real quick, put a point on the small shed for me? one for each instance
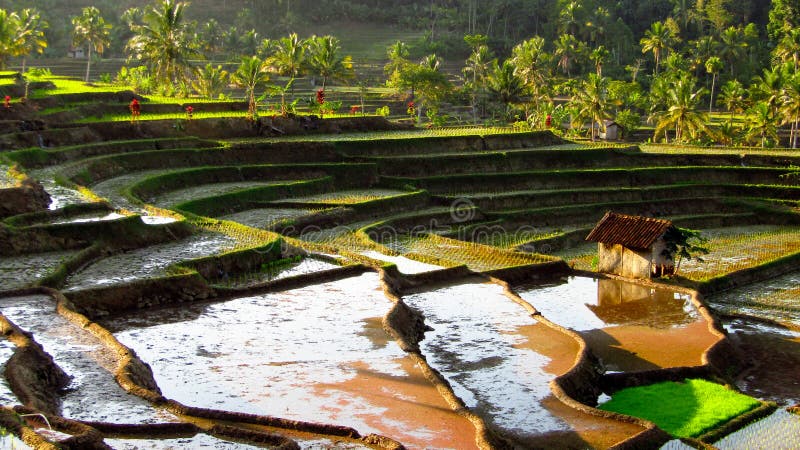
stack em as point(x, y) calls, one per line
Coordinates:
point(75, 52)
point(612, 130)
point(632, 246)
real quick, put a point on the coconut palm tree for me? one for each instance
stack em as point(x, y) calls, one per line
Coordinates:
point(713, 66)
point(476, 73)
point(732, 46)
point(530, 60)
point(790, 107)
point(325, 59)
point(591, 99)
point(9, 36)
point(91, 29)
point(288, 57)
point(761, 124)
point(682, 111)
point(599, 56)
point(506, 86)
point(788, 48)
point(733, 96)
point(567, 49)
point(210, 81)
point(31, 33)
point(657, 40)
point(163, 41)
point(251, 73)
point(768, 87)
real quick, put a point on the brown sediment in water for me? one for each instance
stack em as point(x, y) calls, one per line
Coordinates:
point(636, 347)
point(587, 430)
point(414, 411)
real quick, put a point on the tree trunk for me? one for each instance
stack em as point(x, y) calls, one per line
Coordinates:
point(24, 61)
point(88, 63)
point(711, 102)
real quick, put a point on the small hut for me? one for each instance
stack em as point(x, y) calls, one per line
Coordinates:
point(611, 130)
point(632, 246)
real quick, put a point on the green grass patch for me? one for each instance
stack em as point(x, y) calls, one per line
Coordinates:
point(686, 409)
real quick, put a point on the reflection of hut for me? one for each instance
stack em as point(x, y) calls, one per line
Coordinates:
point(632, 246)
point(627, 303)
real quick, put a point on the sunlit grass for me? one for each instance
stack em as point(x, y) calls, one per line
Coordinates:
point(686, 409)
point(398, 134)
point(64, 85)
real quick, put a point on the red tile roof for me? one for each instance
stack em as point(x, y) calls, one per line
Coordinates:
point(629, 231)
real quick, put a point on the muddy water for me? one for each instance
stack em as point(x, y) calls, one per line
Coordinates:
point(93, 394)
point(775, 299)
point(630, 327)
point(478, 343)
point(317, 353)
point(149, 261)
point(24, 270)
point(781, 430)
point(112, 188)
point(198, 441)
point(404, 265)
point(772, 357)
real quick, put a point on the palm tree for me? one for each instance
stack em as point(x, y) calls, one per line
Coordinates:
point(788, 48)
point(732, 95)
point(9, 36)
point(289, 57)
point(568, 18)
point(31, 33)
point(163, 41)
point(568, 48)
point(91, 29)
point(599, 56)
point(210, 81)
point(477, 68)
point(326, 61)
point(761, 123)
point(732, 46)
point(398, 57)
point(713, 66)
point(506, 86)
point(591, 100)
point(767, 88)
point(530, 59)
point(790, 107)
point(251, 74)
point(657, 40)
point(681, 111)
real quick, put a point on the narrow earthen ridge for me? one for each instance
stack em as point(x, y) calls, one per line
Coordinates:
point(581, 381)
point(83, 437)
point(10, 420)
point(31, 373)
point(407, 327)
point(273, 440)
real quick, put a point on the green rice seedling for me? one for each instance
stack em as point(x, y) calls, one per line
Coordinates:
point(686, 409)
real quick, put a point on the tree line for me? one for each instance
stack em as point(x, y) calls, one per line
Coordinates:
point(703, 53)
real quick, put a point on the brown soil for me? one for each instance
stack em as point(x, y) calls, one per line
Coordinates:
point(411, 403)
point(587, 430)
point(635, 348)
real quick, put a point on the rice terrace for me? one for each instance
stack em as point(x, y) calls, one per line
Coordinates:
point(351, 253)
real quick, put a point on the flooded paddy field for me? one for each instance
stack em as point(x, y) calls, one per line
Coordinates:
point(737, 248)
point(112, 188)
point(305, 266)
point(266, 217)
point(208, 190)
point(776, 299)
point(404, 265)
point(24, 270)
point(499, 361)
point(317, 353)
point(346, 197)
point(93, 393)
point(628, 326)
point(7, 396)
point(148, 262)
point(780, 430)
point(771, 354)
